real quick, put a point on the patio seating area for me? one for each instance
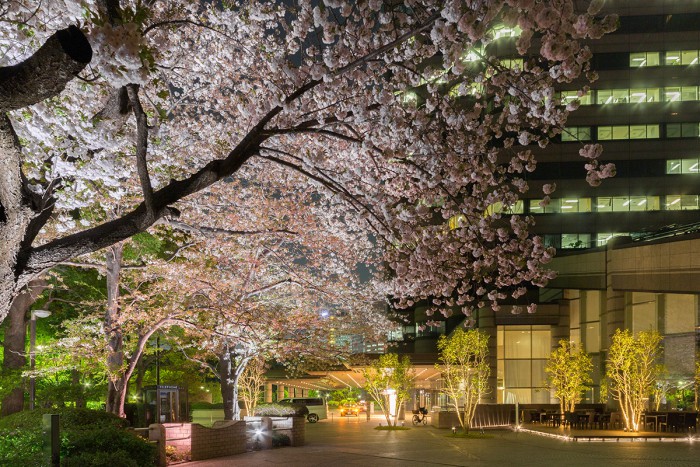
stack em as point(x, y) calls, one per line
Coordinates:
point(596, 422)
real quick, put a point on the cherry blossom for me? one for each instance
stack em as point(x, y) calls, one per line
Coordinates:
point(398, 113)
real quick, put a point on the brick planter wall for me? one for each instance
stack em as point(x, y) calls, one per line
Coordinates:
point(223, 439)
point(298, 437)
point(179, 436)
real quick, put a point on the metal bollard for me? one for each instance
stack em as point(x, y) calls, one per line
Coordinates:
point(52, 439)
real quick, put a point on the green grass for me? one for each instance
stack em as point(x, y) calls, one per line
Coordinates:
point(391, 428)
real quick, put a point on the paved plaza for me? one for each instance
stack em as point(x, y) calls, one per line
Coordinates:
point(354, 442)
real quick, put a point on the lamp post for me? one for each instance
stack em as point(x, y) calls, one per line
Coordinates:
point(32, 344)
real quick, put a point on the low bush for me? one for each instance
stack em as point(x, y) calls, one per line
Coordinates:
point(281, 410)
point(88, 438)
point(280, 439)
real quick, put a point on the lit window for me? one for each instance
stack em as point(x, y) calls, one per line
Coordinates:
point(504, 31)
point(567, 96)
point(637, 132)
point(553, 206)
point(681, 94)
point(576, 133)
point(673, 58)
point(569, 205)
point(625, 203)
point(689, 93)
point(690, 130)
point(512, 63)
point(681, 202)
point(689, 57)
point(644, 59)
point(628, 132)
point(683, 166)
point(689, 166)
point(623, 132)
point(604, 238)
point(639, 96)
point(457, 221)
point(575, 240)
point(673, 166)
point(604, 204)
point(682, 130)
point(604, 96)
point(672, 94)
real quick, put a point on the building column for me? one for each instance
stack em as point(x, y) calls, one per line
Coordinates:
point(613, 317)
point(304, 393)
point(280, 392)
point(293, 392)
point(268, 392)
point(486, 322)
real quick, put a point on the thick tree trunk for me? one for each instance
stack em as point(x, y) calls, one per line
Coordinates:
point(116, 388)
point(14, 355)
point(226, 382)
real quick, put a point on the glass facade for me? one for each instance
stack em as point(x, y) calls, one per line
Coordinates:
point(522, 353)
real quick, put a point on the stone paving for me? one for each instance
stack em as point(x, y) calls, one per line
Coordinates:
point(354, 442)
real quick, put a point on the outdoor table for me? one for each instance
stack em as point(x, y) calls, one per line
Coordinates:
point(601, 420)
point(583, 419)
point(555, 419)
point(656, 418)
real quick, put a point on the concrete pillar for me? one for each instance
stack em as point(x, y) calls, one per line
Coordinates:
point(486, 322)
point(268, 392)
point(280, 392)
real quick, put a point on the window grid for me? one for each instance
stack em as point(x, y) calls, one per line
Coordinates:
point(670, 58)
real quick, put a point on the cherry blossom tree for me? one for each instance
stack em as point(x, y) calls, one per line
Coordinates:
point(149, 102)
point(271, 301)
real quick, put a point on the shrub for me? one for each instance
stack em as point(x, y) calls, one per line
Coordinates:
point(88, 438)
point(280, 439)
point(281, 410)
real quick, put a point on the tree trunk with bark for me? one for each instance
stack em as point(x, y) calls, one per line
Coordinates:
point(230, 370)
point(226, 382)
point(116, 387)
point(22, 212)
point(14, 354)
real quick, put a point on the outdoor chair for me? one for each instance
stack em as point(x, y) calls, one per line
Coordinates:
point(675, 421)
point(615, 420)
point(691, 420)
point(602, 420)
point(571, 419)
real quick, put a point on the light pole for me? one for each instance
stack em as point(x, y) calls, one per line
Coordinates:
point(32, 344)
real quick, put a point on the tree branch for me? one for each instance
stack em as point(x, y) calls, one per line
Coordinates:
point(141, 150)
point(46, 73)
point(205, 231)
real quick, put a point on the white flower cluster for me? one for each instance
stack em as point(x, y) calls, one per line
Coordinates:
point(116, 54)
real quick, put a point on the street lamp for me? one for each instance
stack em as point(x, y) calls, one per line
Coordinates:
point(32, 344)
